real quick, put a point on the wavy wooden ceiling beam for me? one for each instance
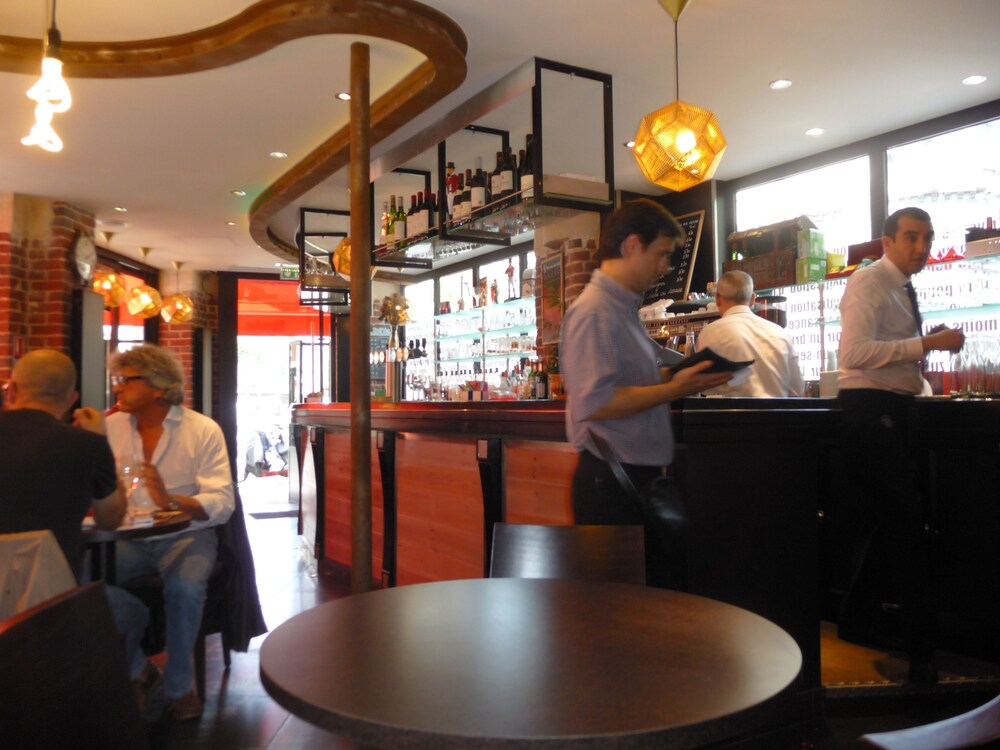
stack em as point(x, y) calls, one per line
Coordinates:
point(262, 27)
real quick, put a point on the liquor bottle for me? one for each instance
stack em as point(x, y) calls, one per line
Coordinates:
point(458, 209)
point(451, 185)
point(478, 191)
point(467, 193)
point(507, 170)
point(390, 227)
point(495, 187)
point(400, 221)
point(527, 172)
point(432, 211)
point(414, 219)
point(541, 384)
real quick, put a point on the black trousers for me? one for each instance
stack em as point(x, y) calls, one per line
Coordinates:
point(881, 524)
point(599, 498)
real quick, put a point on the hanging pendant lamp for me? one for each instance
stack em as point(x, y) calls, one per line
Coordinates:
point(177, 308)
point(681, 144)
point(144, 301)
point(110, 286)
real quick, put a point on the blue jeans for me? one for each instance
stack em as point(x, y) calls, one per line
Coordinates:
point(131, 618)
point(183, 562)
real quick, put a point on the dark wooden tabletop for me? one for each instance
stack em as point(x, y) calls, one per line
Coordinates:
point(516, 663)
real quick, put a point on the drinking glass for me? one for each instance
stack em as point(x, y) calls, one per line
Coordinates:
point(130, 471)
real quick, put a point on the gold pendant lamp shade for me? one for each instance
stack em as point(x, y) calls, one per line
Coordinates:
point(110, 286)
point(679, 145)
point(177, 308)
point(144, 302)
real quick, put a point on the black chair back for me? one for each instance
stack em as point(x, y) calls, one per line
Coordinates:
point(593, 553)
point(65, 683)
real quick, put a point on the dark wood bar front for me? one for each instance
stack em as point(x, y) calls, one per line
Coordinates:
point(761, 480)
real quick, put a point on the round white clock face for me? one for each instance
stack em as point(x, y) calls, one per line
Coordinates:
point(85, 255)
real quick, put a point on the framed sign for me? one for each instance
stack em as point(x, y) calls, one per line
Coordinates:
point(676, 283)
point(551, 294)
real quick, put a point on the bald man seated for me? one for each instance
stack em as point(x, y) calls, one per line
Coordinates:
point(52, 473)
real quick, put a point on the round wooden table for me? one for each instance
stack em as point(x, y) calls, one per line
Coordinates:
point(101, 542)
point(518, 663)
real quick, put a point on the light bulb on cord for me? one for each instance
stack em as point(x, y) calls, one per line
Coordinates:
point(50, 92)
point(685, 140)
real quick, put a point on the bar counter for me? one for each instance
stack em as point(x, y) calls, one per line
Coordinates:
point(761, 479)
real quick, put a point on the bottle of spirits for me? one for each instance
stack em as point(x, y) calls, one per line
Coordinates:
point(527, 172)
point(507, 170)
point(478, 191)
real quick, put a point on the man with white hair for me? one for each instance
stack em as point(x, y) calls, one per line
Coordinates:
point(741, 335)
point(185, 467)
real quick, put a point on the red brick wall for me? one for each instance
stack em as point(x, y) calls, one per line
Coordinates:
point(179, 338)
point(37, 275)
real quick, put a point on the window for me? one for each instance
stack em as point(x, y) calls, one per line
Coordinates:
point(955, 177)
point(836, 197)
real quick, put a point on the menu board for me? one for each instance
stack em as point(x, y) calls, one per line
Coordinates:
point(676, 283)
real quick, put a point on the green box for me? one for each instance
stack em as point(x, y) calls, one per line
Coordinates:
point(810, 269)
point(811, 244)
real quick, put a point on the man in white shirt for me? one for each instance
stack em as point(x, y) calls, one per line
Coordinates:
point(185, 467)
point(881, 347)
point(741, 335)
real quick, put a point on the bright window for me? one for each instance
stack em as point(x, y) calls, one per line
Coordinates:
point(955, 177)
point(836, 197)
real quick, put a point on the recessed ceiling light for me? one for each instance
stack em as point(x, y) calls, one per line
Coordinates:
point(278, 155)
point(974, 80)
point(629, 144)
point(230, 223)
point(238, 193)
point(781, 83)
point(344, 96)
point(815, 132)
point(121, 209)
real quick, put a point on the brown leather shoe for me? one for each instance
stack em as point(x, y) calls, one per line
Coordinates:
point(186, 707)
point(145, 685)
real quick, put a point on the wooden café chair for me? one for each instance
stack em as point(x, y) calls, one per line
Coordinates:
point(979, 727)
point(593, 553)
point(65, 683)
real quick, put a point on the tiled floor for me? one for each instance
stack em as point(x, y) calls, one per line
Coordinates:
point(239, 715)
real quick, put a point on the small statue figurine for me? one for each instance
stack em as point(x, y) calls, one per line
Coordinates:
point(510, 280)
point(494, 292)
point(482, 292)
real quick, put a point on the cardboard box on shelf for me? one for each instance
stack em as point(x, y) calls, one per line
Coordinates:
point(767, 270)
point(811, 244)
point(809, 269)
point(835, 262)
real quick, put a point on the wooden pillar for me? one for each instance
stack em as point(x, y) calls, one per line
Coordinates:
point(361, 306)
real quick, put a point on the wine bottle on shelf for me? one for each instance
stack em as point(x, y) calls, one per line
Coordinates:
point(458, 208)
point(384, 225)
point(495, 187)
point(527, 173)
point(451, 185)
point(400, 221)
point(507, 170)
point(390, 227)
point(541, 384)
point(467, 193)
point(432, 211)
point(478, 192)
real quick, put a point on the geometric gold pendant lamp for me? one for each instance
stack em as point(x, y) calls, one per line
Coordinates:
point(177, 308)
point(679, 145)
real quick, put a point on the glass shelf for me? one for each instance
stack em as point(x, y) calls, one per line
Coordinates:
point(499, 224)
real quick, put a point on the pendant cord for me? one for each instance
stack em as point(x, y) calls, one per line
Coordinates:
point(677, 65)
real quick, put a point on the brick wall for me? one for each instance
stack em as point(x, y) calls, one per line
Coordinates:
point(180, 339)
point(37, 275)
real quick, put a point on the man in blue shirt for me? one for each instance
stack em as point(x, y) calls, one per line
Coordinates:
point(615, 387)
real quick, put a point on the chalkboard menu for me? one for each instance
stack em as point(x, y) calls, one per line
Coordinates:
point(676, 284)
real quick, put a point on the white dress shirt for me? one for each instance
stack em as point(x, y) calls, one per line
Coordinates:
point(191, 457)
point(741, 335)
point(879, 344)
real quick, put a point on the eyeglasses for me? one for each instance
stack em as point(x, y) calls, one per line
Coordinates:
point(125, 379)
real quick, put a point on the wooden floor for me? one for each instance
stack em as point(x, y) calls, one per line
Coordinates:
point(865, 693)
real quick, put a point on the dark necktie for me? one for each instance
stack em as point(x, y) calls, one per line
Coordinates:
point(912, 294)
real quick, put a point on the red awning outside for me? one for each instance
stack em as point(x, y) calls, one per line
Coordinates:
point(267, 307)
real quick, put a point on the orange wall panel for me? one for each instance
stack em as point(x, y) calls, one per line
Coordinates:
point(538, 478)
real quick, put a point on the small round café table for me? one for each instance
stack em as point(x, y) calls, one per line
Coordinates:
point(503, 663)
point(101, 542)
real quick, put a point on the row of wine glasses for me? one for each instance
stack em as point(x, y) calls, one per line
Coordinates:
point(975, 371)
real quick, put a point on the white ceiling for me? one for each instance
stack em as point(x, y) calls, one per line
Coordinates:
point(171, 149)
